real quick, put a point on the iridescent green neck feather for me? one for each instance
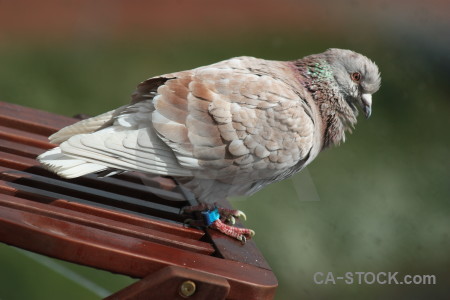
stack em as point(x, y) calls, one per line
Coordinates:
point(337, 115)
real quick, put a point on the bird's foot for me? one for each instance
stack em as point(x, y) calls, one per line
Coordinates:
point(226, 215)
point(241, 234)
point(217, 218)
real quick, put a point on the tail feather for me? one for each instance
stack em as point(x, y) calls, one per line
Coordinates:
point(66, 166)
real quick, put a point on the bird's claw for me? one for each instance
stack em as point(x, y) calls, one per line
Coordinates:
point(237, 214)
point(240, 214)
point(243, 237)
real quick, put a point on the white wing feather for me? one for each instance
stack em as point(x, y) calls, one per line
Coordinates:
point(130, 144)
point(84, 126)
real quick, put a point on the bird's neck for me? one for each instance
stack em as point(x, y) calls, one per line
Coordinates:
point(336, 114)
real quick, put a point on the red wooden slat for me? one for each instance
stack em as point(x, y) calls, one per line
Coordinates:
point(16, 162)
point(19, 149)
point(32, 120)
point(25, 137)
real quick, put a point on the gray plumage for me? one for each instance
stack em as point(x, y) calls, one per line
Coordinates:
point(229, 128)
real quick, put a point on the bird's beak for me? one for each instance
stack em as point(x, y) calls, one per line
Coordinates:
point(367, 104)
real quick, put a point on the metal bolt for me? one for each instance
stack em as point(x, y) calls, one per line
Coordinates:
point(187, 288)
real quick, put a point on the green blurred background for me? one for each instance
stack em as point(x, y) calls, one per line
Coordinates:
point(379, 202)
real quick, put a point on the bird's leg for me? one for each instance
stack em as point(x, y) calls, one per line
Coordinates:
point(217, 217)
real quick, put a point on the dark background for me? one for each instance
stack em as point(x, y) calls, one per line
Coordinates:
point(378, 203)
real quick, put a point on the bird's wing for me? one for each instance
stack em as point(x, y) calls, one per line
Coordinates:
point(238, 120)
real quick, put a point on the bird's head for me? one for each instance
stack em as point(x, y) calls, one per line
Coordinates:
point(357, 78)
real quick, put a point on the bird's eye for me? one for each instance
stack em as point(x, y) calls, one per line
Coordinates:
point(356, 76)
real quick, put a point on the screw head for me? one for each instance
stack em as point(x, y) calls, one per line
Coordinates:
point(187, 288)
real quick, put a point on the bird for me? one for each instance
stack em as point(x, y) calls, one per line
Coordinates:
point(225, 129)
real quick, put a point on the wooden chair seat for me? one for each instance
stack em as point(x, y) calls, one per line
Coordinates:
point(127, 224)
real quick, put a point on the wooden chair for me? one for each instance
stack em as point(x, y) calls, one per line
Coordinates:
point(126, 224)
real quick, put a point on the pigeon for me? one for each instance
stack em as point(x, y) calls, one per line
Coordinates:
point(225, 129)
